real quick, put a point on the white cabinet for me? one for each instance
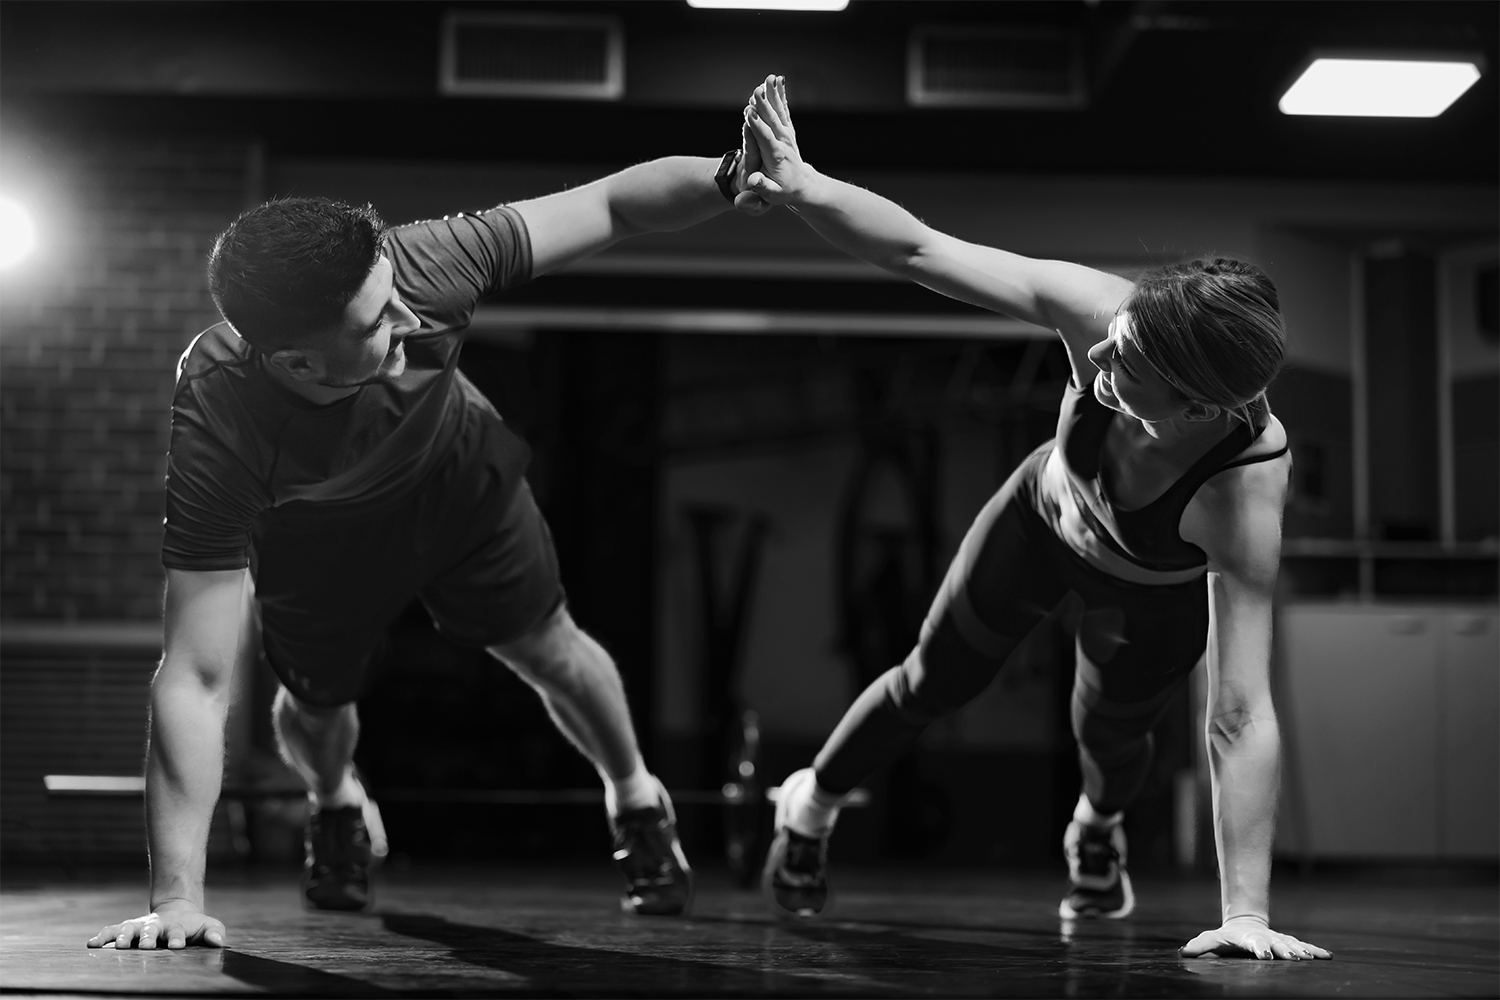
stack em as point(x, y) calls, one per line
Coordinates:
point(1391, 720)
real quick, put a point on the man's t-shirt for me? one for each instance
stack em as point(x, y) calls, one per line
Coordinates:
point(242, 443)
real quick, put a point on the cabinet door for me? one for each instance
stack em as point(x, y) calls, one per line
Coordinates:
point(1359, 688)
point(1470, 736)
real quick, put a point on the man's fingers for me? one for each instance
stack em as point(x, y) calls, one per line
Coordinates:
point(751, 203)
point(762, 185)
point(212, 933)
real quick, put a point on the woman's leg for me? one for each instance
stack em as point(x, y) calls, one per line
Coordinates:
point(1002, 582)
point(1135, 649)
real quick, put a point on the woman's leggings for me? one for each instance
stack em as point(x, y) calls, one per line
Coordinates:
point(1136, 644)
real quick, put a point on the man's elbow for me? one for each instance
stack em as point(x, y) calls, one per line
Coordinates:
point(191, 678)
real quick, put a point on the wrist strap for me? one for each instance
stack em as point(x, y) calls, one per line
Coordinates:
point(724, 176)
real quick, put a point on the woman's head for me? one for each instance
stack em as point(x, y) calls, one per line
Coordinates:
point(1212, 329)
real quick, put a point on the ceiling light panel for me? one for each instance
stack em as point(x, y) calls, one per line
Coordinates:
point(1379, 88)
point(769, 4)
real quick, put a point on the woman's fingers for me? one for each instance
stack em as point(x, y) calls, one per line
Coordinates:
point(765, 137)
point(779, 102)
point(763, 107)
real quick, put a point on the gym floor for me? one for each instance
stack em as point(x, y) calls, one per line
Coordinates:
point(557, 931)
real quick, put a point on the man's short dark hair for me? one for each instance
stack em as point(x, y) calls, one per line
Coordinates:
point(284, 271)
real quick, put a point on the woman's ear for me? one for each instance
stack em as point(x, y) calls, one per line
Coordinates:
point(1199, 410)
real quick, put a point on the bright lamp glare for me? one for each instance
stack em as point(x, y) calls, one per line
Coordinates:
point(1378, 88)
point(769, 4)
point(17, 233)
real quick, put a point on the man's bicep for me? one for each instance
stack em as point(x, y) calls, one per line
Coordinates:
point(206, 621)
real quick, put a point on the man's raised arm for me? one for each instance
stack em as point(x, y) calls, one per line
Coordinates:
point(207, 628)
point(663, 195)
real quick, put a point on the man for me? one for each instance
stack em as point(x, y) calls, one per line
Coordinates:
point(329, 463)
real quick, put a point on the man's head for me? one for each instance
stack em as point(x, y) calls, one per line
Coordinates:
point(305, 280)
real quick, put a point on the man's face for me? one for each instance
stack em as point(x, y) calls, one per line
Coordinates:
point(367, 346)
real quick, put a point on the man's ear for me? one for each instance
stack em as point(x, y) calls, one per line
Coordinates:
point(296, 364)
point(1199, 410)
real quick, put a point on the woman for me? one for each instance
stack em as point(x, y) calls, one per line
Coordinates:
point(1159, 503)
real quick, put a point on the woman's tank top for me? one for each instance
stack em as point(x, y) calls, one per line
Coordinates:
point(1140, 545)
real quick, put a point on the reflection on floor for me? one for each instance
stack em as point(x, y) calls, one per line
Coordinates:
point(557, 931)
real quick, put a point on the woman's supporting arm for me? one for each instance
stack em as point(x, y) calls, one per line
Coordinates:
point(1236, 519)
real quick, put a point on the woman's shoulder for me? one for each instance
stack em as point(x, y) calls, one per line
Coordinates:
point(1270, 444)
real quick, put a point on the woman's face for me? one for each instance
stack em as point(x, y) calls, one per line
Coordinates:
point(1127, 382)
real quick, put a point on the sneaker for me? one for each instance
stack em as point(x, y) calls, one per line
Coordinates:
point(336, 873)
point(658, 878)
point(795, 879)
point(1096, 868)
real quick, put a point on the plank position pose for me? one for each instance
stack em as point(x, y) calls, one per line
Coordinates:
point(328, 464)
point(1159, 503)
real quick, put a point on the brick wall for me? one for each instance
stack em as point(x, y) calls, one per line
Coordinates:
point(90, 332)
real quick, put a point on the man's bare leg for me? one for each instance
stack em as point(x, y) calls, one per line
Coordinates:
point(318, 744)
point(345, 833)
point(581, 688)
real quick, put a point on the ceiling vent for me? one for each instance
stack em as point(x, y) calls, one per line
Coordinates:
point(527, 55)
point(971, 66)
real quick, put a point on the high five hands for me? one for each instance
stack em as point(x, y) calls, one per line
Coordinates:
point(772, 171)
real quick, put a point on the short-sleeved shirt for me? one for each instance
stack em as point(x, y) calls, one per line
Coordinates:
point(242, 443)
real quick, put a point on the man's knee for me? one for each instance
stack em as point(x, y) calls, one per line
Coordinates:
point(546, 650)
point(288, 708)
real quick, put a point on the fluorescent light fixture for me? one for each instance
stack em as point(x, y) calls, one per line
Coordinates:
point(1379, 88)
point(17, 233)
point(769, 4)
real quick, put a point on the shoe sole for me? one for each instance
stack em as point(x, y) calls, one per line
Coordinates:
point(1126, 908)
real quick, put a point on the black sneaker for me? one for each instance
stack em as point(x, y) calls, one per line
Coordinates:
point(795, 879)
point(1096, 869)
point(796, 874)
point(658, 878)
point(336, 873)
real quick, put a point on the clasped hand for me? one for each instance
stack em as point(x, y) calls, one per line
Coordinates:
point(175, 924)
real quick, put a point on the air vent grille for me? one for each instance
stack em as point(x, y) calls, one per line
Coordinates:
point(517, 55)
point(964, 66)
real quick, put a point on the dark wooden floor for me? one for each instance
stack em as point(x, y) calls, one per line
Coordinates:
point(557, 931)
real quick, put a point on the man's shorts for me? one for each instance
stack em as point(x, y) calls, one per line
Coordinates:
point(468, 541)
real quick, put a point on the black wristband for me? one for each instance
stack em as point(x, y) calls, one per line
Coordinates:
point(724, 176)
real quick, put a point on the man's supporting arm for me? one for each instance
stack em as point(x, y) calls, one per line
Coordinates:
point(206, 629)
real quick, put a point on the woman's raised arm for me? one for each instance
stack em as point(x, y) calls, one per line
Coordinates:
point(1076, 301)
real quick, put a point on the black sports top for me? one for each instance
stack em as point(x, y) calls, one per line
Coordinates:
point(1146, 536)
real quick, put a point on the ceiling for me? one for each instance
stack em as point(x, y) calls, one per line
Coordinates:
point(1174, 88)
